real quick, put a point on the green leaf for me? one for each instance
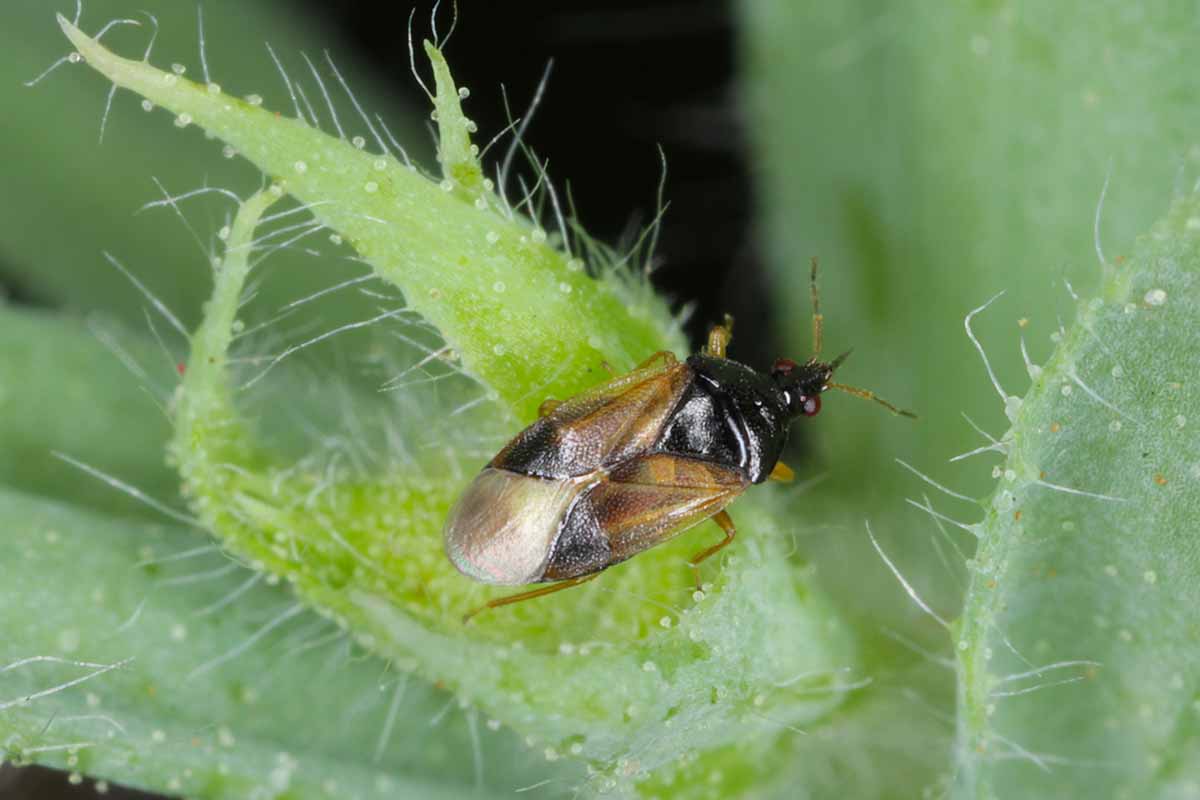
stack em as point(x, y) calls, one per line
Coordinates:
point(1079, 642)
point(153, 661)
point(62, 391)
point(933, 156)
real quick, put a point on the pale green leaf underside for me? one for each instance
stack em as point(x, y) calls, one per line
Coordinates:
point(1113, 580)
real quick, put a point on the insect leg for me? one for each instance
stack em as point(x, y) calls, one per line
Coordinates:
point(547, 407)
point(665, 356)
point(532, 593)
point(719, 337)
point(782, 472)
point(723, 519)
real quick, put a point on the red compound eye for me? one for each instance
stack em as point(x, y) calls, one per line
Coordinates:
point(811, 406)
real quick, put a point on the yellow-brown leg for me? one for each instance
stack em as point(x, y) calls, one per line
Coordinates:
point(532, 593)
point(719, 337)
point(547, 407)
point(782, 472)
point(665, 356)
point(721, 518)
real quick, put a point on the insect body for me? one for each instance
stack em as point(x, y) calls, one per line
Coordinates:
point(631, 463)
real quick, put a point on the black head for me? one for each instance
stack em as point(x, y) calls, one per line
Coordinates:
point(802, 384)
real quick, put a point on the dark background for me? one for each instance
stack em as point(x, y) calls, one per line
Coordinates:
point(627, 77)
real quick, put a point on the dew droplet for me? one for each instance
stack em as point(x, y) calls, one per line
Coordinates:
point(664, 622)
point(435, 294)
point(1150, 576)
point(1067, 389)
point(169, 80)
point(488, 184)
point(447, 185)
point(371, 187)
point(649, 666)
point(300, 167)
point(493, 724)
point(498, 349)
point(470, 125)
point(1111, 570)
point(538, 235)
point(178, 69)
point(463, 93)
point(223, 234)
point(492, 237)
point(358, 142)
point(74, 58)
point(147, 105)
point(997, 472)
point(335, 238)
point(564, 287)
point(229, 151)
point(1155, 297)
point(213, 88)
point(75, 779)
point(183, 120)
point(1115, 425)
point(481, 203)
point(1117, 372)
point(1180, 420)
point(498, 287)
point(1010, 475)
point(575, 264)
point(473, 149)
point(254, 99)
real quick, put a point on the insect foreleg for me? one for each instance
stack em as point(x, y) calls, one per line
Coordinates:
point(719, 337)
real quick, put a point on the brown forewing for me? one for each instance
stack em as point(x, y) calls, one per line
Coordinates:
point(651, 498)
point(608, 424)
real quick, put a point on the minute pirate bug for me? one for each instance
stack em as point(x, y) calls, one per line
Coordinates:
point(633, 462)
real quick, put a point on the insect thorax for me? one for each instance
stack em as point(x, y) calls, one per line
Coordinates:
point(729, 415)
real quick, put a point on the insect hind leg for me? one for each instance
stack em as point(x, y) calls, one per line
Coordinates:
point(723, 519)
point(541, 591)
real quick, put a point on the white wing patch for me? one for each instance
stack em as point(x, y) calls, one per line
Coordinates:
point(503, 528)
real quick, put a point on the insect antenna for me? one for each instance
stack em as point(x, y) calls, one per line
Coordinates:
point(817, 318)
point(866, 394)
